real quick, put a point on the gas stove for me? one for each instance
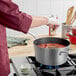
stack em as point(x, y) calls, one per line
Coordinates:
point(66, 69)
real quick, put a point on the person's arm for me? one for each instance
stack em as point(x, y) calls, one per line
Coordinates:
point(11, 17)
point(38, 21)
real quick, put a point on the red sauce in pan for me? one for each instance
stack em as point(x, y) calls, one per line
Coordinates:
point(51, 45)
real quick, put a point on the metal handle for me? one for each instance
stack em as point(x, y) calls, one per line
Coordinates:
point(71, 49)
point(32, 35)
point(65, 51)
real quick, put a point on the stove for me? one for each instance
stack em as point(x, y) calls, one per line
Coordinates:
point(66, 69)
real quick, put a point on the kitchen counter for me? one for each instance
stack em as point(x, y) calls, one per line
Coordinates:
point(28, 50)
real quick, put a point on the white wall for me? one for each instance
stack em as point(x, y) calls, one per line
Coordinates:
point(43, 8)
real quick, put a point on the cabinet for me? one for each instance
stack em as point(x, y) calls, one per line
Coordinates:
point(37, 7)
point(30, 7)
point(43, 7)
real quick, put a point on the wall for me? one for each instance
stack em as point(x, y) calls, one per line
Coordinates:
point(43, 8)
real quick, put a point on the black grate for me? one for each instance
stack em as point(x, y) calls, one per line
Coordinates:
point(67, 69)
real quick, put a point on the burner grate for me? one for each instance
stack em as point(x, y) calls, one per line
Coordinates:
point(32, 60)
point(72, 73)
point(67, 69)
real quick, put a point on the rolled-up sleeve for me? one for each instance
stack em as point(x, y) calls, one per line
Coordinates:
point(11, 17)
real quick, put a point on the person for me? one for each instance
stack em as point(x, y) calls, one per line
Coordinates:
point(11, 17)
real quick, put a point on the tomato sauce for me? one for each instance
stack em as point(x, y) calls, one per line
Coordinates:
point(51, 45)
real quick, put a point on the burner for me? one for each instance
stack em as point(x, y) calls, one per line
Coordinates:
point(56, 73)
point(66, 69)
point(48, 67)
point(72, 73)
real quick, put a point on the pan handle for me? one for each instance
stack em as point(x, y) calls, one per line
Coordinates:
point(33, 35)
point(65, 51)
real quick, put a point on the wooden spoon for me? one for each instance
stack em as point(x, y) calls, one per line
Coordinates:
point(69, 15)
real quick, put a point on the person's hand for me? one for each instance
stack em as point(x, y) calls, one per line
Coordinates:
point(53, 23)
point(53, 20)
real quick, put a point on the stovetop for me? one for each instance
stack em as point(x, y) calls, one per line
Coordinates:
point(66, 69)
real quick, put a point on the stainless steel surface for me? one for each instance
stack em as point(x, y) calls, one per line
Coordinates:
point(17, 62)
point(51, 56)
point(65, 30)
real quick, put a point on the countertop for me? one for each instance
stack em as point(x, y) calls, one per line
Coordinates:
point(27, 50)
